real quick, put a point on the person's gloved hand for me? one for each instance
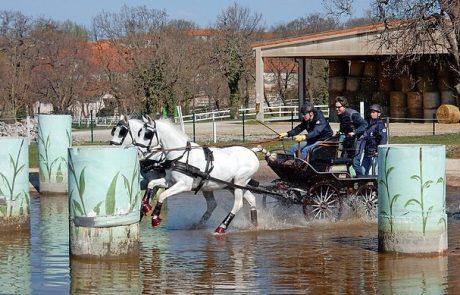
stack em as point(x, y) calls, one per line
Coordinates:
point(282, 135)
point(300, 137)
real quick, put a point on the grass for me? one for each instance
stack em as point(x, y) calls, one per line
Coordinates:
point(451, 141)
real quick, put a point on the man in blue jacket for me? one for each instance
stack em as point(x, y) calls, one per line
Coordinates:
point(375, 135)
point(352, 126)
point(317, 127)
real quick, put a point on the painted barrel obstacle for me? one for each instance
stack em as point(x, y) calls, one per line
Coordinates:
point(104, 201)
point(412, 199)
point(14, 184)
point(54, 137)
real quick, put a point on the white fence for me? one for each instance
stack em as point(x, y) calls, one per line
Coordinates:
point(270, 113)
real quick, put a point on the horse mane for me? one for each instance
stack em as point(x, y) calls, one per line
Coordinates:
point(173, 129)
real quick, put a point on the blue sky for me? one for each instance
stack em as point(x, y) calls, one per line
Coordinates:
point(202, 12)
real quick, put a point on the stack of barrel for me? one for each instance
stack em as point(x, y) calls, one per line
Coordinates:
point(408, 91)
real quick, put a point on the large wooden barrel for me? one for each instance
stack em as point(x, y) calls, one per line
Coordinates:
point(448, 114)
point(414, 100)
point(429, 113)
point(403, 83)
point(398, 113)
point(426, 84)
point(369, 84)
point(353, 83)
point(431, 100)
point(338, 68)
point(415, 113)
point(444, 83)
point(370, 69)
point(397, 100)
point(356, 68)
point(337, 84)
point(448, 97)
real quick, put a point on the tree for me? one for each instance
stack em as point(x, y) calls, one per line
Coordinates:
point(16, 62)
point(61, 75)
point(236, 28)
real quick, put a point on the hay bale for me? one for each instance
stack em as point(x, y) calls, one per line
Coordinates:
point(414, 100)
point(353, 84)
point(445, 82)
point(448, 114)
point(397, 100)
point(431, 100)
point(370, 69)
point(369, 84)
point(338, 68)
point(356, 68)
point(336, 84)
point(448, 97)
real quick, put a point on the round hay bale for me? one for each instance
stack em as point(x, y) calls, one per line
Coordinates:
point(404, 84)
point(444, 83)
point(338, 68)
point(448, 114)
point(353, 84)
point(385, 83)
point(398, 113)
point(380, 97)
point(431, 100)
point(448, 97)
point(414, 100)
point(425, 84)
point(356, 68)
point(397, 100)
point(429, 113)
point(369, 84)
point(370, 69)
point(415, 113)
point(336, 84)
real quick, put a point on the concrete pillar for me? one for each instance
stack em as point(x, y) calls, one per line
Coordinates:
point(54, 137)
point(412, 198)
point(104, 201)
point(259, 86)
point(14, 184)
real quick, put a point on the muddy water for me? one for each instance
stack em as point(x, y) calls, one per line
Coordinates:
point(286, 255)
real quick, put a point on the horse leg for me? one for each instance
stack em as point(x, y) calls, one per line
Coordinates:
point(211, 205)
point(151, 190)
point(236, 207)
point(178, 187)
point(249, 197)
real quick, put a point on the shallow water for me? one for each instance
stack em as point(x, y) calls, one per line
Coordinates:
point(286, 255)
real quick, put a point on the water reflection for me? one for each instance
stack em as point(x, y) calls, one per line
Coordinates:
point(105, 277)
point(15, 268)
point(412, 275)
point(283, 256)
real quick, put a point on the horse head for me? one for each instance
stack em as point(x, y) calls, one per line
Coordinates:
point(161, 132)
point(120, 131)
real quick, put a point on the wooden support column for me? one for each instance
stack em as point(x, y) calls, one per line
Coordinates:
point(259, 86)
point(301, 81)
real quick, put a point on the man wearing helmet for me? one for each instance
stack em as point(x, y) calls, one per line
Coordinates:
point(375, 135)
point(317, 127)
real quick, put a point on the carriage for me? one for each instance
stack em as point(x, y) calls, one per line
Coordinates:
point(322, 183)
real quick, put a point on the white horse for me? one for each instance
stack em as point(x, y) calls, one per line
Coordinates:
point(192, 167)
point(126, 132)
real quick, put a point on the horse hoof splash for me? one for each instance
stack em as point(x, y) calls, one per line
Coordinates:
point(220, 230)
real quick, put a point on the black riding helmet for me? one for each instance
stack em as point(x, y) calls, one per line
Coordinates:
point(376, 107)
point(306, 108)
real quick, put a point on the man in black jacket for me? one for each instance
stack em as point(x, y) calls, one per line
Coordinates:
point(317, 127)
point(352, 126)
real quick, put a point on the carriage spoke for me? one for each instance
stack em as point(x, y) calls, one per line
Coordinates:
point(322, 203)
point(367, 200)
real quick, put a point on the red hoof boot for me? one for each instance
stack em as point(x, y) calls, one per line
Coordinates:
point(146, 208)
point(156, 221)
point(220, 230)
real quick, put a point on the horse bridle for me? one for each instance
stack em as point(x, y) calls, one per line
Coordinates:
point(124, 131)
point(149, 134)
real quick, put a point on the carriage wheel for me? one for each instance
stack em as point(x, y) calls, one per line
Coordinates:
point(367, 199)
point(323, 202)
